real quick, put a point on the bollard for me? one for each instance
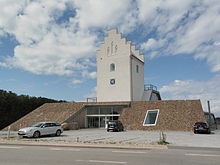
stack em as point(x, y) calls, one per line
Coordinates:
point(77, 139)
point(9, 129)
point(162, 136)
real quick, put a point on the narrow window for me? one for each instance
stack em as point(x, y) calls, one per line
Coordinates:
point(137, 69)
point(112, 47)
point(116, 48)
point(151, 118)
point(112, 67)
point(108, 51)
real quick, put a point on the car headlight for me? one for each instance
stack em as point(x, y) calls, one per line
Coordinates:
point(30, 130)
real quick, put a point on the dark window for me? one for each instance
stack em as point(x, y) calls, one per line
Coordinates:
point(112, 67)
point(47, 125)
point(151, 118)
point(37, 125)
point(201, 124)
point(137, 68)
point(92, 110)
point(105, 110)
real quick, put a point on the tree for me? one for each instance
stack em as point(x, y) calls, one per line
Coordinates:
point(13, 107)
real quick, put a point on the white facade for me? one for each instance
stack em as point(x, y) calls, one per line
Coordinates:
point(120, 70)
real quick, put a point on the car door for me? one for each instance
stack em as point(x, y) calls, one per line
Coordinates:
point(53, 128)
point(45, 129)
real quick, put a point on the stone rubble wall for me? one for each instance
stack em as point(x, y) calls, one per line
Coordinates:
point(174, 115)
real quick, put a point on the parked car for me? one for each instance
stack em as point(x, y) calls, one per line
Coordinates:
point(201, 127)
point(115, 125)
point(40, 129)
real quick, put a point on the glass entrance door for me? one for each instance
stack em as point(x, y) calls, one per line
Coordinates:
point(93, 122)
point(99, 121)
point(102, 121)
point(98, 116)
point(107, 118)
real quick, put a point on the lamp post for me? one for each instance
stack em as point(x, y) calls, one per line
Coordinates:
point(209, 109)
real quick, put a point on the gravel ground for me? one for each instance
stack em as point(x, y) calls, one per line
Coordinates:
point(188, 139)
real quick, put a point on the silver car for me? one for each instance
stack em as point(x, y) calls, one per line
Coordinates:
point(40, 129)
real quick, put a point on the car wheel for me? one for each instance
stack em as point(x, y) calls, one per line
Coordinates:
point(195, 132)
point(107, 130)
point(58, 133)
point(36, 134)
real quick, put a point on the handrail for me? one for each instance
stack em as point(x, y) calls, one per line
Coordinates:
point(74, 115)
point(150, 87)
point(93, 99)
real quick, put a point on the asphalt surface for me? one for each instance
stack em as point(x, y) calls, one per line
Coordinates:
point(101, 136)
point(38, 155)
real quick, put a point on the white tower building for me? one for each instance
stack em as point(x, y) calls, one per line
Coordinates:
point(120, 70)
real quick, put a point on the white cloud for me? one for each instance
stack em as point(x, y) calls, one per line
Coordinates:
point(104, 13)
point(77, 81)
point(3, 64)
point(190, 89)
point(153, 46)
point(91, 94)
point(217, 43)
point(87, 74)
point(67, 48)
point(57, 53)
point(45, 47)
point(162, 14)
point(8, 13)
point(189, 27)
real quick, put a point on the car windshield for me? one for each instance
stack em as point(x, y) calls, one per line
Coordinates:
point(201, 124)
point(37, 125)
point(111, 122)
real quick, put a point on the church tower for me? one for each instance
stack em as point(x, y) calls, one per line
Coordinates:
point(120, 70)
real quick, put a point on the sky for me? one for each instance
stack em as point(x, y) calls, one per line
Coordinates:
point(48, 48)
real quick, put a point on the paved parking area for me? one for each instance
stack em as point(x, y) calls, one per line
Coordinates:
point(187, 139)
point(102, 136)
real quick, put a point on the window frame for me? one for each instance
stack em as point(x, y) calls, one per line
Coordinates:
point(155, 123)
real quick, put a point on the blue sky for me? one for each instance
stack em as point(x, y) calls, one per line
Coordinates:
point(47, 48)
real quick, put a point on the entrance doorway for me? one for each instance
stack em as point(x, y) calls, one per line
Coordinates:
point(98, 116)
point(100, 121)
point(93, 122)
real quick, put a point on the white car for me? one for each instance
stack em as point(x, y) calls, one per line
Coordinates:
point(40, 129)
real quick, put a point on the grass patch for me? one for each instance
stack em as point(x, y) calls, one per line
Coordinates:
point(162, 142)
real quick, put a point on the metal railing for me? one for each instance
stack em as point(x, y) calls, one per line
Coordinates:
point(91, 99)
point(150, 87)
